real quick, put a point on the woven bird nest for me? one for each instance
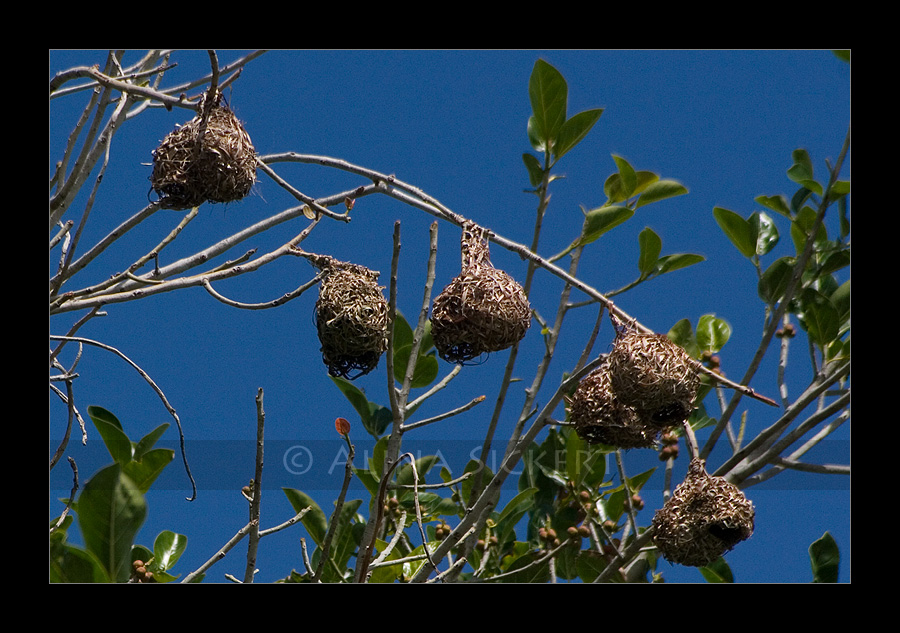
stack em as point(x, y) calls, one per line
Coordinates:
point(482, 310)
point(197, 163)
point(351, 318)
point(600, 418)
point(655, 376)
point(703, 519)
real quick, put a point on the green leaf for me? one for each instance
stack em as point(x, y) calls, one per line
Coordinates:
point(315, 521)
point(111, 510)
point(548, 93)
point(599, 221)
point(72, 564)
point(682, 334)
point(717, 571)
point(574, 130)
point(660, 190)
point(535, 171)
point(676, 261)
point(821, 319)
point(379, 419)
point(110, 429)
point(427, 367)
point(513, 512)
point(144, 472)
point(825, 559)
point(712, 333)
point(627, 177)
point(423, 465)
point(802, 227)
point(778, 204)
point(774, 281)
point(146, 443)
point(651, 247)
point(355, 396)
point(737, 229)
point(801, 171)
point(167, 549)
point(343, 544)
point(766, 232)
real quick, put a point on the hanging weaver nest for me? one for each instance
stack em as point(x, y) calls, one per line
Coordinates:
point(196, 163)
point(482, 310)
point(351, 317)
point(655, 376)
point(600, 418)
point(703, 519)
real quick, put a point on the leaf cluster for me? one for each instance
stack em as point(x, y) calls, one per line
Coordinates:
point(111, 509)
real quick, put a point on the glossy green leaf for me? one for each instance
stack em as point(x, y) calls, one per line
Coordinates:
point(712, 333)
point(736, 229)
point(660, 190)
point(650, 248)
point(825, 559)
point(315, 521)
point(167, 549)
point(548, 93)
point(774, 281)
point(766, 232)
point(111, 510)
point(574, 130)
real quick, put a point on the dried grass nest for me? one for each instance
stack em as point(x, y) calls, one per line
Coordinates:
point(352, 317)
point(481, 310)
point(600, 418)
point(704, 518)
point(653, 375)
point(198, 163)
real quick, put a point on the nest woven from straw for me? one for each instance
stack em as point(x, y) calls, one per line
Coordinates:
point(482, 310)
point(351, 318)
point(655, 376)
point(219, 166)
point(703, 519)
point(600, 418)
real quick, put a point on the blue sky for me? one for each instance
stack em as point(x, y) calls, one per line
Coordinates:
point(453, 123)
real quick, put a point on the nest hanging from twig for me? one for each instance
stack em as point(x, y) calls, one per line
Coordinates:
point(482, 310)
point(200, 162)
point(703, 519)
point(655, 376)
point(351, 318)
point(601, 418)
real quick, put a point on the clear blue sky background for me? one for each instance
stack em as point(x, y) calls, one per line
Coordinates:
point(723, 123)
